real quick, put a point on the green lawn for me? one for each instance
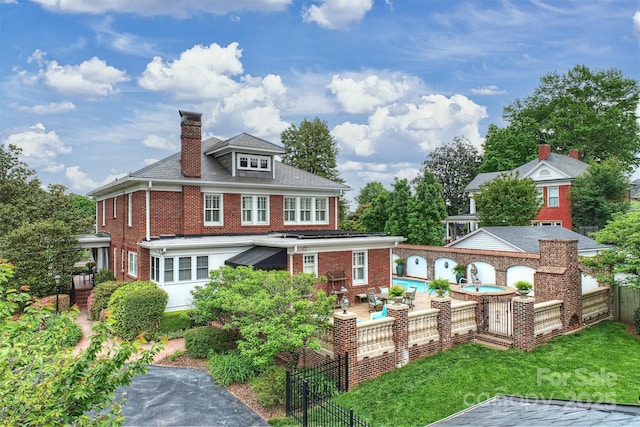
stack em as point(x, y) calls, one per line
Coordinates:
point(599, 364)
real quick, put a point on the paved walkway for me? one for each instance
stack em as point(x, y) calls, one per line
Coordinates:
point(167, 396)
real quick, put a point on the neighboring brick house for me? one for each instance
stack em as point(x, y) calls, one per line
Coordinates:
point(553, 174)
point(231, 202)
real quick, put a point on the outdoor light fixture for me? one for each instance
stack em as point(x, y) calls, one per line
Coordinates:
point(57, 279)
point(344, 304)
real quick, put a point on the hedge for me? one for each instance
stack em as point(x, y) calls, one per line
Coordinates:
point(137, 309)
point(101, 296)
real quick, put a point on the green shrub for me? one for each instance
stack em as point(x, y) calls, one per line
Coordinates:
point(270, 386)
point(101, 296)
point(104, 276)
point(203, 340)
point(137, 308)
point(176, 321)
point(636, 321)
point(64, 302)
point(231, 367)
point(64, 327)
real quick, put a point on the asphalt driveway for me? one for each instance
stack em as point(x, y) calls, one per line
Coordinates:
point(167, 396)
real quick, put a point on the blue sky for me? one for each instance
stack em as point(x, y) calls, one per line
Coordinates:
point(91, 89)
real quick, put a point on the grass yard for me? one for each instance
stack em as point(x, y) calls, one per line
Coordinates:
point(599, 364)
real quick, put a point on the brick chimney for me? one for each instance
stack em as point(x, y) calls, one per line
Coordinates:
point(573, 153)
point(544, 150)
point(191, 143)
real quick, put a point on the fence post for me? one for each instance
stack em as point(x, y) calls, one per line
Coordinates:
point(400, 312)
point(523, 323)
point(287, 399)
point(345, 341)
point(444, 320)
point(305, 403)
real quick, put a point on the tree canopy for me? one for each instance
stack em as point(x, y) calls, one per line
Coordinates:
point(397, 208)
point(270, 310)
point(591, 111)
point(427, 210)
point(43, 382)
point(454, 166)
point(311, 147)
point(373, 206)
point(599, 193)
point(507, 200)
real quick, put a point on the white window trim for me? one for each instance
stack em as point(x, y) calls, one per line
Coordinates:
point(115, 259)
point(130, 210)
point(314, 264)
point(221, 209)
point(249, 157)
point(115, 207)
point(122, 257)
point(133, 264)
point(365, 278)
point(314, 211)
point(254, 210)
point(557, 197)
point(104, 212)
point(156, 278)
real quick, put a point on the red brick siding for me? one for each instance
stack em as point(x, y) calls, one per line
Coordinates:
point(560, 213)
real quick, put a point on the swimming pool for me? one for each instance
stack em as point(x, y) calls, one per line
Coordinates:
point(484, 288)
point(421, 285)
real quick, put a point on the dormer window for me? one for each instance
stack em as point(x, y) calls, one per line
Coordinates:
point(254, 162)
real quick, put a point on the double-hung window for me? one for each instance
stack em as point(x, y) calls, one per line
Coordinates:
point(359, 267)
point(321, 210)
point(553, 198)
point(290, 208)
point(133, 264)
point(202, 267)
point(212, 209)
point(184, 268)
point(306, 210)
point(155, 269)
point(309, 264)
point(255, 210)
point(168, 270)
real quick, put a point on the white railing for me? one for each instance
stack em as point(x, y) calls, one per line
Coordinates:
point(547, 317)
point(594, 303)
point(423, 326)
point(375, 337)
point(463, 318)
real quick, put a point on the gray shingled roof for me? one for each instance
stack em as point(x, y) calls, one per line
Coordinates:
point(212, 172)
point(521, 411)
point(565, 164)
point(526, 237)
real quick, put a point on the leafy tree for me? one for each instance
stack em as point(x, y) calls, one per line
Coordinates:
point(507, 200)
point(623, 233)
point(454, 166)
point(599, 193)
point(397, 207)
point(44, 383)
point(373, 206)
point(507, 148)
point(39, 251)
point(268, 310)
point(592, 111)
point(427, 213)
point(312, 148)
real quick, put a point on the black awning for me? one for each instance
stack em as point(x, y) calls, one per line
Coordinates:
point(261, 258)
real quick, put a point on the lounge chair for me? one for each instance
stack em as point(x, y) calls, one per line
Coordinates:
point(375, 303)
point(380, 315)
point(410, 296)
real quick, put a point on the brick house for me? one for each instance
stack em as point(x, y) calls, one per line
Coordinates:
point(553, 174)
point(231, 202)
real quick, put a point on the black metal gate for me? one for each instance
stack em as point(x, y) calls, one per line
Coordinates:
point(309, 391)
point(498, 317)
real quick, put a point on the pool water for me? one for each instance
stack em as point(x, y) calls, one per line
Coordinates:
point(483, 288)
point(421, 285)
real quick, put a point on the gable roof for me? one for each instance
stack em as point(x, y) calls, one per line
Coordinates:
point(566, 166)
point(169, 170)
point(522, 238)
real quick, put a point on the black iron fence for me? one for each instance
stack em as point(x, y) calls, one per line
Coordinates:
point(309, 393)
point(498, 317)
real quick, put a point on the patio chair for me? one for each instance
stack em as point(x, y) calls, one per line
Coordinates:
point(380, 315)
point(375, 303)
point(410, 296)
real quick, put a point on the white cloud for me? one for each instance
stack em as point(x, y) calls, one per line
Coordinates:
point(79, 180)
point(636, 24)
point(170, 8)
point(201, 72)
point(149, 161)
point(159, 142)
point(39, 147)
point(92, 78)
point(50, 108)
point(488, 90)
point(434, 120)
point(363, 93)
point(337, 14)
point(124, 42)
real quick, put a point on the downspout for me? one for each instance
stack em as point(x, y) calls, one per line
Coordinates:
point(147, 213)
point(97, 208)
